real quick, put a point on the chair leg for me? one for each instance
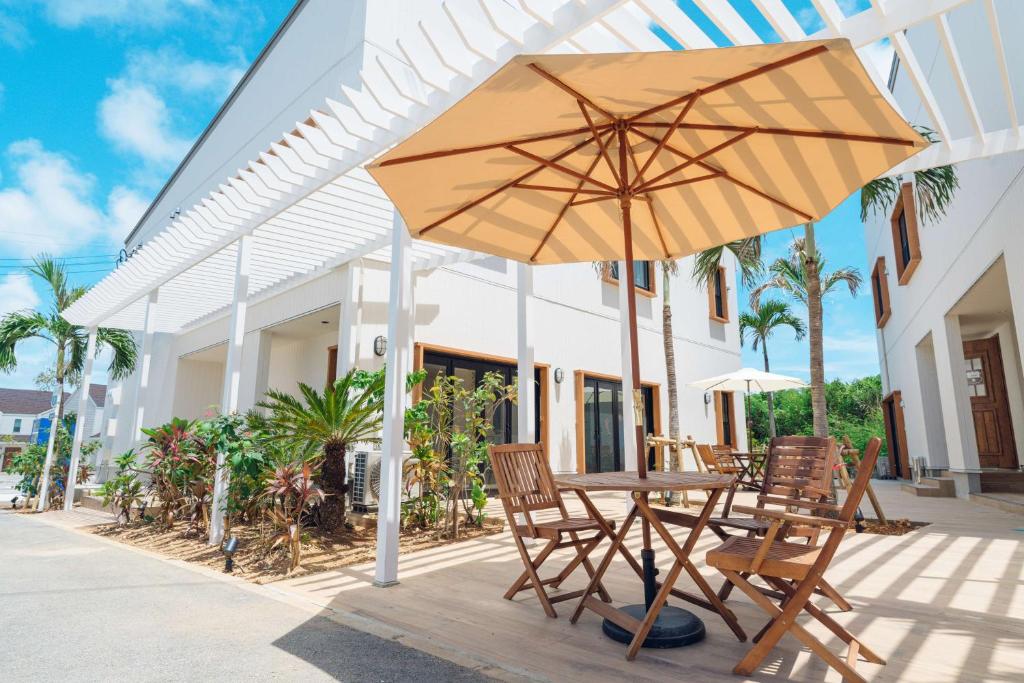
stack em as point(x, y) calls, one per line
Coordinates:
point(584, 558)
point(531, 573)
point(518, 584)
point(783, 620)
point(832, 594)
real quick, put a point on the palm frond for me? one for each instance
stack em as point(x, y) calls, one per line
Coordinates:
point(125, 351)
point(15, 328)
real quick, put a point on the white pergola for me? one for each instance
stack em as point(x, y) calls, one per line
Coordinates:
point(305, 206)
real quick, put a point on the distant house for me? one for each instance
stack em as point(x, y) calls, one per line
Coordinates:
point(20, 410)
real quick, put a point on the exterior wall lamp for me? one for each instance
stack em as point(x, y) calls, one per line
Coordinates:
point(707, 398)
point(559, 375)
point(380, 345)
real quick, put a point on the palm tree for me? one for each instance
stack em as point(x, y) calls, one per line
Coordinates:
point(802, 277)
point(69, 340)
point(323, 426)
point(758, 326)
point(933, 188)
point(748, 257)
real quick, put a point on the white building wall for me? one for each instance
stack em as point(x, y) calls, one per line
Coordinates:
point(7, 424)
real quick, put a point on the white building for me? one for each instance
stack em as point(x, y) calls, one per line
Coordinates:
point(465, 312)
point(949, 295)
point(19, 411)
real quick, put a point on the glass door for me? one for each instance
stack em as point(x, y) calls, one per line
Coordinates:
point(603, 426)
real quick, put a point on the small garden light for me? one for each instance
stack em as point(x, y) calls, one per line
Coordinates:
point(229, 547)
point(858, 518)
point(14, 503)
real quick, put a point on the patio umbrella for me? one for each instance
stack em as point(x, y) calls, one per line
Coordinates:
point(749, 380)
point(645, 156)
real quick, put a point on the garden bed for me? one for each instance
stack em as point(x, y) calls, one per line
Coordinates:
point(255, 563)
point(894, 527)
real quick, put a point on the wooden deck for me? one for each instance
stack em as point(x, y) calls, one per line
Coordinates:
point(943, 603)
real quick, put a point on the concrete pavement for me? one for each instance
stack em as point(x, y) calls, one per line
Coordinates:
point(77, 608)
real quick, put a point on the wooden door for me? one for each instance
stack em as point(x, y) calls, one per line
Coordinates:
point(986, 385)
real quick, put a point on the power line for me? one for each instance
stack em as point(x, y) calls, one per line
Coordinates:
point(81, 257)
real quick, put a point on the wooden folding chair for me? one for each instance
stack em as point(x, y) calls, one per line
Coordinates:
point(795, 570)
point(525, 486)
point(718, 459)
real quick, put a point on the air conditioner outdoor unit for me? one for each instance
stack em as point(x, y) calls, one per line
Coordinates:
point(364, 478)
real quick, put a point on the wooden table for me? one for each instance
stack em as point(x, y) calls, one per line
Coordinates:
point(753, 464)
point(713, 484)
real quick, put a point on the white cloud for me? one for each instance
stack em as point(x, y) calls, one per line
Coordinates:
point(13, 33)
point(168, 67)
point(16, 293)
point(2, 90)
point(857, 344)
point(137, 120)
point(50, 205)
point(75, 13)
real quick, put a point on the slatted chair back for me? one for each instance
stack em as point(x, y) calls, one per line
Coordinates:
point(800, 466)
point(718, 462)
point(524, 479)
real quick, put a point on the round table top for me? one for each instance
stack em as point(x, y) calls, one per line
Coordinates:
point(655, 481)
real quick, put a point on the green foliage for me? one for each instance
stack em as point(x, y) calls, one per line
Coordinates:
point(934, 189)
point(29, 464)
point(448, 432)
point(748, 257)
point(854, 410)
point(124, 490)
point(289, 491)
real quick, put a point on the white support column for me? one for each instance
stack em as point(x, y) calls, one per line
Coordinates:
point(525, 355)
point(81, 421)
point(957, 418)
point(232, 376)
point(628, 421)
point(399, 353)
point(147, 358)
point(44, 484)
point(255, 369)
point(347, 318)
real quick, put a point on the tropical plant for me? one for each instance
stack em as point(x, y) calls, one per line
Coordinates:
point(322, 426)
point(934, 189)
point(747, 252)
point(802, 277)
point(69, 340)
point(28, 464)
point(181, 474)
point(124, 490)
point(244, 462)
point(290, 490)
point(758, 326)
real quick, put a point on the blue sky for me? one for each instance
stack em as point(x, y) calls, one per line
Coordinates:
point(99, 100)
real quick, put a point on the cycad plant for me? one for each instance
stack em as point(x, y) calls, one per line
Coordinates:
point(69, 340)
point(758, 326)
point(320, 427)
point(802, 276)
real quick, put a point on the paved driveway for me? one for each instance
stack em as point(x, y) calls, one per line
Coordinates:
point(76, 608)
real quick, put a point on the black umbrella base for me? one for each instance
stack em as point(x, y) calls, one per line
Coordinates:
point(674, 627)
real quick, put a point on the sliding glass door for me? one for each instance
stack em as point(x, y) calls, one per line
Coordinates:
point(602, 424)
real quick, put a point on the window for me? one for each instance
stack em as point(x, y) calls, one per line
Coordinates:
point(880, 293)
point(643, 276)
point(896, 436)
point(599, 422)
point(904, 234)
point(472, 369)
point(718, 296)
point(17, 425)
point(332, 364)
point(726, 423)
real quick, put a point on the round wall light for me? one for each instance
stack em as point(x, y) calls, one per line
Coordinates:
point(380, 345)
point(559, 375)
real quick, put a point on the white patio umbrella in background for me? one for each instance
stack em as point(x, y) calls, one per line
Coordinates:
point(749, 380)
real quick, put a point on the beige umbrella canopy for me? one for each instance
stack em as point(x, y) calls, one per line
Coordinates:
point(643, 156)
point(709, 146)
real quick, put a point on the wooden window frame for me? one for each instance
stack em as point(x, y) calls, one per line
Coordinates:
point(712, 311)
point(897, 432)
point(609, 278)
point(332, 364)
point(880, 291)
point(581, 440)
point(719, 428)
point(420, 350)
point(905, 204)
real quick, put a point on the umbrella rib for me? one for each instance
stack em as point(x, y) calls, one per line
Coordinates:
point(730, 178)
point(565, 207)
point(833, 135)
point(600, 142)
point(571, 190)
point(732, 81)
point(491, 145)
point(650, 203)
point(671, 130)
point(558, 167)
point(569, 89)
point(646, 185)
point(685, 181)
point(504, 186)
